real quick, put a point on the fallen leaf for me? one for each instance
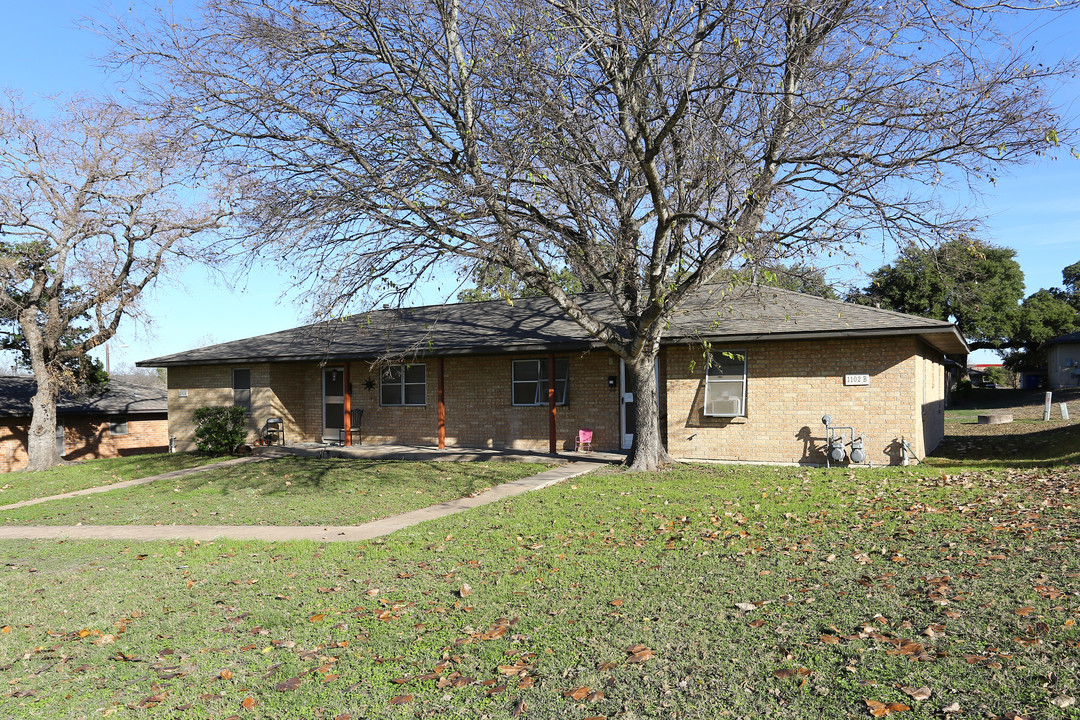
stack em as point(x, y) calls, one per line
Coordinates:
point(617, 602)
point(519, 708)
point(577, 693)
point(640, 656)
point(921, 693)
point(400, 699)
point(225, 675)
point(1063, 701)
point(249, 703)
point(951, 708)
point(316, 617)
point(290, 684)
point(746, 607)
point(465, 590)
point(784, 673)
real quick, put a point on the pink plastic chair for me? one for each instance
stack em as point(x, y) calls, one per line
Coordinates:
point(584, 441)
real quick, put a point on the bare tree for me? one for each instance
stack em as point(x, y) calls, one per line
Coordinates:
point(92, 204)
point(645, 145)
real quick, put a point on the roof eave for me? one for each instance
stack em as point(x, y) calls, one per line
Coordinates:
point(945, 338)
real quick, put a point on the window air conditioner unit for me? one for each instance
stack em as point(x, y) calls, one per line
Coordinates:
point(724, 406)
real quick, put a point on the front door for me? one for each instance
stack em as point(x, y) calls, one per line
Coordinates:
point(627, 410)
point(333, 403)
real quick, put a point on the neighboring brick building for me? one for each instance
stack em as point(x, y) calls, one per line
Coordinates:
point(127, 419)
point(781, 361)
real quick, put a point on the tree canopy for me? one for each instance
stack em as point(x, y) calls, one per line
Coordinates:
point(645, 146)
point(971, 282)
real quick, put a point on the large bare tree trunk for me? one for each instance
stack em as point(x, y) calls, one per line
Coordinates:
point(41, 440)
point(647, 452)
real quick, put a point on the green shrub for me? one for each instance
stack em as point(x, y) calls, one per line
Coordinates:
point(219, 430)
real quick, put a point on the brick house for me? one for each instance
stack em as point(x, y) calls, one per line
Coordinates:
point(476, 375)
point(127, 419)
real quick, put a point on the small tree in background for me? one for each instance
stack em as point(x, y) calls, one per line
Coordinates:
point(93, 204)
point(971, 282)
point(219, 430)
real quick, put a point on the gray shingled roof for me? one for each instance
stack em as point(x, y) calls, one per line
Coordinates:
point(1070, 338)
point(121, 398)
point(532, 324)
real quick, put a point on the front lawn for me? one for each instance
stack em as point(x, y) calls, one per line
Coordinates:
point(699, 592)
point(285, 491)
point(24, 485)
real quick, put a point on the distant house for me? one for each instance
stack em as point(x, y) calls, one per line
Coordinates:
point(1063, 361)
point(127, 419)
point(477, 375)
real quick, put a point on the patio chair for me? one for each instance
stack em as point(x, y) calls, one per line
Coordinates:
point(356, 416)
point(273, 431)
point(584, 441)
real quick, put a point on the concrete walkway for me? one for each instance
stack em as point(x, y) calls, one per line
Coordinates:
point(277, 533)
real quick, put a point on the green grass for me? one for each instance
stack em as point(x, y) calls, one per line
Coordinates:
point(978, 568)
point(24, 485)
point(286, 491)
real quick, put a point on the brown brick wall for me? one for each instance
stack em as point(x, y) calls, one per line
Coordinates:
point(87, 437)
point(479, 412)
point(790, 385)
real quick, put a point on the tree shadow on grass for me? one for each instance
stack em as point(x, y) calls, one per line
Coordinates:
point(1036, 448)
point(332, 475)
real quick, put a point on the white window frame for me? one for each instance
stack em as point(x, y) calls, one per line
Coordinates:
point(714, 379)
point(246, 405)
point(541, 383)
point(401, 384)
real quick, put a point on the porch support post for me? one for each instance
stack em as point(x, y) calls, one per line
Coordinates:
point(551, 403)
point(347, 380)
point(442, 407)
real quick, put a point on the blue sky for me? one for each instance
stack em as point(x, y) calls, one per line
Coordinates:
point(1035, 210)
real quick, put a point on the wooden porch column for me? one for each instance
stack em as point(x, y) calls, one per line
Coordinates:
point(348, 405)
point(442, 408)
point(551, 403)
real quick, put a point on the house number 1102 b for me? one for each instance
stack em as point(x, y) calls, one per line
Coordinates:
point(856, 379)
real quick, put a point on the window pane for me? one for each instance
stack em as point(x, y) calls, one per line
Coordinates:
point(414, 373)
point(391, 394)
point(391, 374)
point(525, 370)
point(722, 365)
point(525, 393)
point(241, 379)
point(414, 394)
point(562, 368)
point(560, 391)
point(118, 426)
point(242, 398)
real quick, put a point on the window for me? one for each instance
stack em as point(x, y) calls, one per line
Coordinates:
point(725, 384)
point(404, 385)
point(118, 426)
point(241, 389)
point(530, 383)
